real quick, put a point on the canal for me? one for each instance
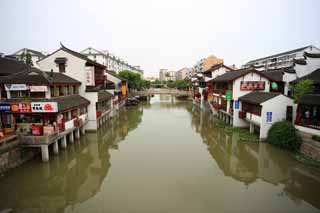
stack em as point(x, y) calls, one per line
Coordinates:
point(162, 156)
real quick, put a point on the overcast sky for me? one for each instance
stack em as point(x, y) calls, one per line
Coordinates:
point(162, 33)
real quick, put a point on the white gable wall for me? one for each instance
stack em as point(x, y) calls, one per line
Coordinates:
point(278, 107)
point(312, 65)
point(75, 68)
point(236, 93)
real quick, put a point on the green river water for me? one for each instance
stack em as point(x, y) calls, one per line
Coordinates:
point(162, 156)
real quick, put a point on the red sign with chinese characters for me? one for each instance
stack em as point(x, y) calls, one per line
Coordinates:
point(252, 85)
point(20, 107)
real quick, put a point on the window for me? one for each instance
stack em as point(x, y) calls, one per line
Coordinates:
point(61, 63)
point(62, 67)
point(71, 91)
point(19, 94)
point(37, 94)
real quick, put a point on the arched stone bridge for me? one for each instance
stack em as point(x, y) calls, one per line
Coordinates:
point(154, 91)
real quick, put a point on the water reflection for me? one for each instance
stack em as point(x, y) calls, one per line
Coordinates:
point(150, 159)
point(251, 162)
point(72, 177)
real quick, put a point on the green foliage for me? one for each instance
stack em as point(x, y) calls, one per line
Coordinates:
point(27, 59)
point(284, 135)
point(316, 137)
point(302, 88)
point(182, 84)
point(134, 80)
point(171, 84)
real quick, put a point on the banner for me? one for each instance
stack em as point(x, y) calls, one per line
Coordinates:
point(90, 76)
point(252, 85)
point(5, 107)
point(44, 106)
point(20, 107)
point(38, 88)
point(15, 87)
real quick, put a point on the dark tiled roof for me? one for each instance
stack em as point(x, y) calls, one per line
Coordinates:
point(64, 103)
point(314, 76)
point(283, 69)
point(11, 66)
point(76, 54)
point(312, 99)
point(233, 75)
point(104, 95)
point(217, 66)
point(258, 97)
point(69, 102)
point(279, 54)
point(274, 75)
point(230, 76)
point(312, 55)
point(36, 76)
point(94, 88)
point(300, 61)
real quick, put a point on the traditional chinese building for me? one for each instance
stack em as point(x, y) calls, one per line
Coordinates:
point(231, 85)
point(91, 73)
point(308, 111)
point(43, 108)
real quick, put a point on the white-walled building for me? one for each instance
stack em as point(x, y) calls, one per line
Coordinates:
point(92, 76)
point(280, 60)
point(111, 62)
point(228, 87)
point(262, 109)
point(162, 74)
point(183, 73)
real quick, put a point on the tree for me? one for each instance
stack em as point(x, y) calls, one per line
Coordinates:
point(27, 59)
point(302, 88)
point(182, 84)
point(134, 80)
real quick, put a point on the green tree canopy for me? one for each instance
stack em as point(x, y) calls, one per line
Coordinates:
point(302, 88)
point(27, 59)
point(134, 80)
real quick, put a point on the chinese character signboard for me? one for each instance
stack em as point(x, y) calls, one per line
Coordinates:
point(252, 85)
point(15, 87)
point(20, 107)
point(5, 107)
point(90, 76)
point(44, 106)
point(269, 117)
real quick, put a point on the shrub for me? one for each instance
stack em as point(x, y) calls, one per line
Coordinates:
point(284, 135)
